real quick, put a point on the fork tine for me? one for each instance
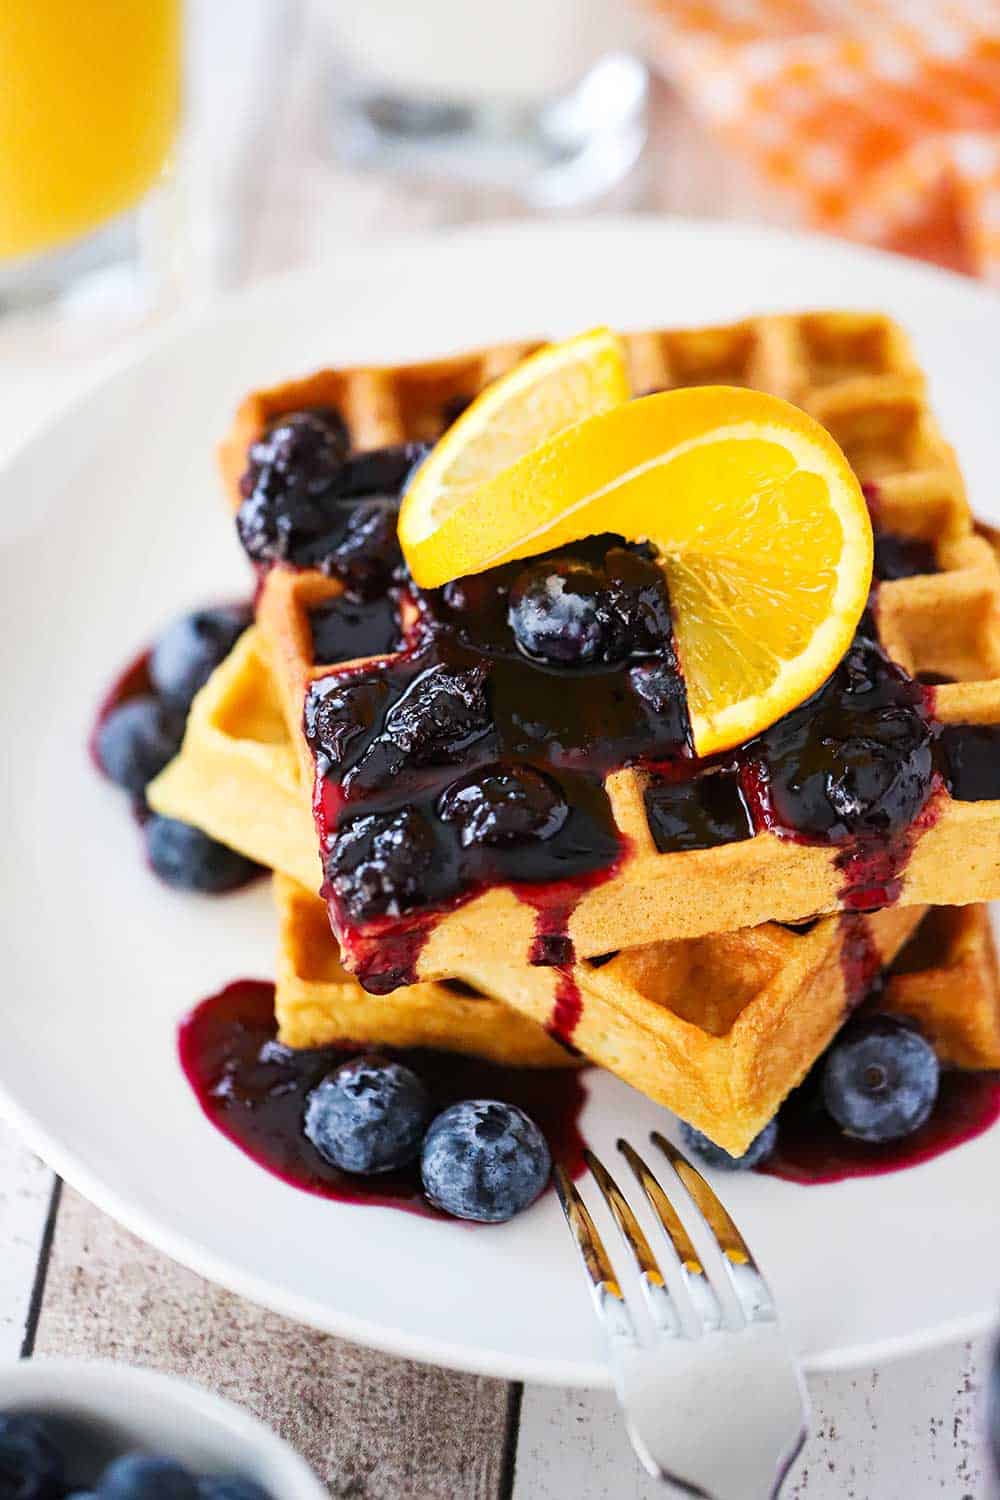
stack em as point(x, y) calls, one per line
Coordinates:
point(700, 1290)
point(658, 1299)
point(745, 1276)
point(609, 1299)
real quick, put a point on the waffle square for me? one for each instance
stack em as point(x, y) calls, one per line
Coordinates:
point(857, 375)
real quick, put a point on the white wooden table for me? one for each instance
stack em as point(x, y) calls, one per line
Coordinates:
point(376, 1428)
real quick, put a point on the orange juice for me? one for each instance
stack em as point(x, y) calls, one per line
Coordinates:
point(88, 113)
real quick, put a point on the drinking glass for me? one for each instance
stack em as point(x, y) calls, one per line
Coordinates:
point(546, 98)
point(89, 108)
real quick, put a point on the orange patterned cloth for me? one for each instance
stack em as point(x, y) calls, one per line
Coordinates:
point(879, 118)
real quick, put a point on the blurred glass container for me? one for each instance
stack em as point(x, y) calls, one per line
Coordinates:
point(544, 98)
point(89, 109)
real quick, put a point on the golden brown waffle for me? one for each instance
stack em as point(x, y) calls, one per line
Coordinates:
point(718, 1029)
point(317, 1003)
point(855, 373)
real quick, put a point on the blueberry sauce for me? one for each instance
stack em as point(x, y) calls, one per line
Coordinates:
point(971, 756)
point(350, 627)
point(697, 811)
point(254, 1091)
point(897, 556)
point(811, 1149)
point(860, 960)
point(473, 759)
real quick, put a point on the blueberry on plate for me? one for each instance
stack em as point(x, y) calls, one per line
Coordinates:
point(880, 1079)
point(368, 1116)
point(484, 1160)
point(189, 651)
point(230, 1487)
point(141, 1476)
point(189, 860)
point(759, 1149)
point(136, 741)
point(31, 1464)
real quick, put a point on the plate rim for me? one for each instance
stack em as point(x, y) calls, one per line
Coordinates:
point(156, 1230)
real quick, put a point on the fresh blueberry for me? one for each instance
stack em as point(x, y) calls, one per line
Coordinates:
point(378, 861)
point(503, 805)
point(759, 1149)
point(484, 1160)
point(368, 1116)
point(31, 1463)
point(880, 1079)
point(187, 654)
point(140, 1476)
point(230, 1487)
point(556, 613)
point(136, 741)
point(188, 859)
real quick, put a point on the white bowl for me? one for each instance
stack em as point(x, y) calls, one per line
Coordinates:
point(114, 1408)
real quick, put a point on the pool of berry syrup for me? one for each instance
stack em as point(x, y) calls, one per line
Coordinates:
point(811, 1150)
point(254, 1091)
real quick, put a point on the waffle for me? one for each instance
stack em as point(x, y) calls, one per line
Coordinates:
point(237, 778)
point(721, 1029)
point(718, 1029)
point(857, 375)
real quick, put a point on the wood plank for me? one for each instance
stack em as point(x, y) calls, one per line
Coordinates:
point(370, 1425)
point(26, 1188)
point(908, 1431)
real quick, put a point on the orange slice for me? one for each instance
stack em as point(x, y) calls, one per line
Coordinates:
point(759, 521)
point(549, 391)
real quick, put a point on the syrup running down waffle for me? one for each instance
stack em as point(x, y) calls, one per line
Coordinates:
point(719, 1029)
point(650, 844)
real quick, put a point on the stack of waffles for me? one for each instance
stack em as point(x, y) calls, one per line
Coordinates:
point(710, 973)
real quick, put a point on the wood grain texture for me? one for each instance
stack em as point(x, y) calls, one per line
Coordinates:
point(892, 1434)
point(26, 1187)
point(373, 1427)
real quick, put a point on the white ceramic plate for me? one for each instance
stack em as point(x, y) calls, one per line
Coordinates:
point(110, 522)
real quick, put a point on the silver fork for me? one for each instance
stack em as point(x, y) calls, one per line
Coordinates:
point(714, 1406)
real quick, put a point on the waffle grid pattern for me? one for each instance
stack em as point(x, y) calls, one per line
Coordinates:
point(856, 374)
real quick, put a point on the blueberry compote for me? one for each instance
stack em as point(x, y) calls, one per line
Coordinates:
point(255, 1090)
point(309, 502)
point(853, 766)
point(897, 556)
point(477, 757)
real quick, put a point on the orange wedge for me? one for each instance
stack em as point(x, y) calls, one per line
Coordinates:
point(551, 390)
point(760, 523)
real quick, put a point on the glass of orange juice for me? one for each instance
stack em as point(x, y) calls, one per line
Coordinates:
point(89, 107)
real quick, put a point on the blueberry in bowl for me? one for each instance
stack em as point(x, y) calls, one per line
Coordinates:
point(31, 1460)
point(188, 652)
point(880, 1079)
point(136, 740)
point(368, 1115)
point(484, 1160)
